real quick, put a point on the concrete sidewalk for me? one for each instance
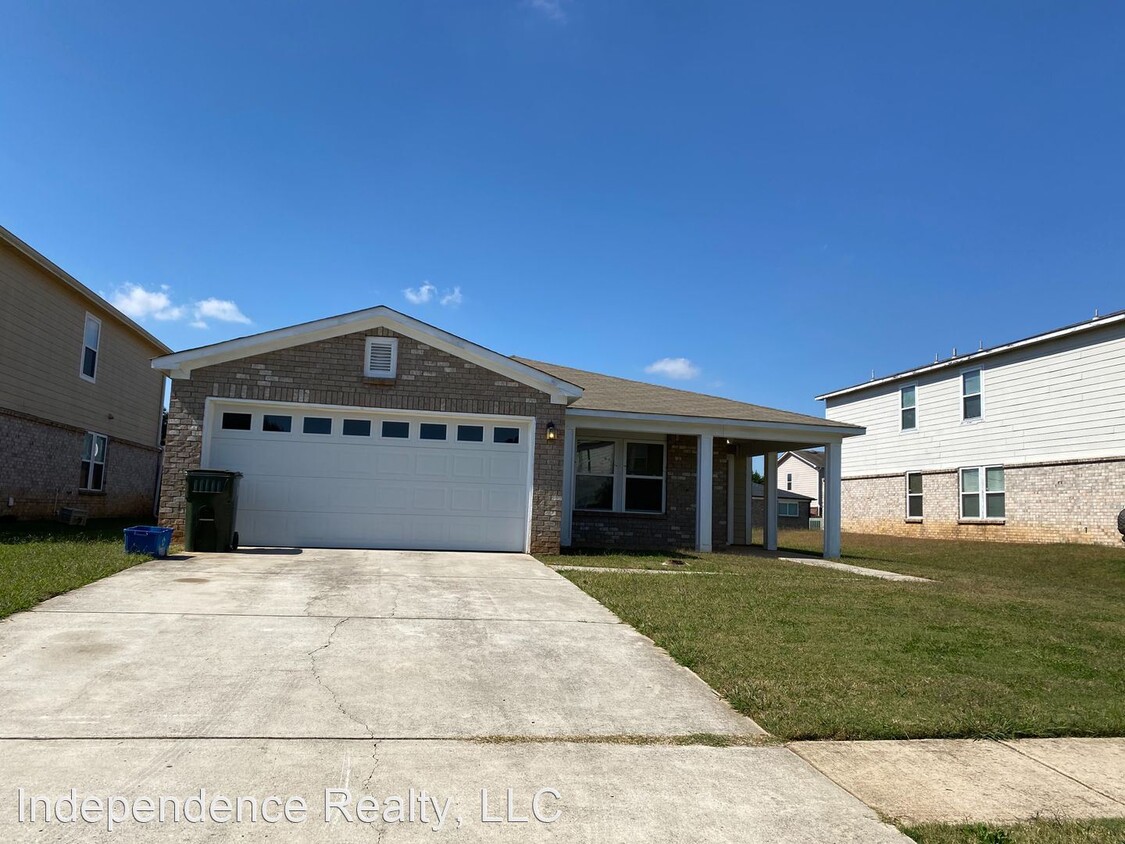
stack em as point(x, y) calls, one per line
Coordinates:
point(959, 781)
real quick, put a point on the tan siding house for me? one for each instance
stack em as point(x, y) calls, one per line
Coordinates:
point(80, 405)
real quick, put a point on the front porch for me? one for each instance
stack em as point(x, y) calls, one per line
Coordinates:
point(632, 482)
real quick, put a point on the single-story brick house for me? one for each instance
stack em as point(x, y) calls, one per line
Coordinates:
point(793, 508)
point(373, 429)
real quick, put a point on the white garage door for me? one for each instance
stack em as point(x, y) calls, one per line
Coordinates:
point(335, 478)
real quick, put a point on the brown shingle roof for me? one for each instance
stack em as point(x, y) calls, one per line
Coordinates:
point(606, 392)
point(815, 458)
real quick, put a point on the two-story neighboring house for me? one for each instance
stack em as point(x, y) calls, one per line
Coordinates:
point(1022, 442)
point(802, 472)
point(80, 404)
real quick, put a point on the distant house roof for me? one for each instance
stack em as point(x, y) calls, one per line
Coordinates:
point(621, 395)
point(961, 360)
point(813, 458)
point(66, 279)
point(759, 491)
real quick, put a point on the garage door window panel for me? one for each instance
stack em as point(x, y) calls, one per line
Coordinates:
point(396, 430)
point(317, 425)
point(506, 435)
point(237, 421)
point(432, 431)
point(470, 433)
point(357, 428)
point(277, 424)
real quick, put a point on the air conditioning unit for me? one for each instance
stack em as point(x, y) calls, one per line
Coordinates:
point(72, 516)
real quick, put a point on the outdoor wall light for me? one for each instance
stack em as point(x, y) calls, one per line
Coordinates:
point(550, 430)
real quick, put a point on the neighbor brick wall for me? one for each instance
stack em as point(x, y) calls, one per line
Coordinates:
point(42, 466)
point(674, 528)
point(1044, 502)
point(331, 372)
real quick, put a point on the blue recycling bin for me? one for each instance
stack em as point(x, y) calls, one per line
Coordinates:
point(153, 541)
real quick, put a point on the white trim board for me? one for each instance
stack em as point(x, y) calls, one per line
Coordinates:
point(181, 364)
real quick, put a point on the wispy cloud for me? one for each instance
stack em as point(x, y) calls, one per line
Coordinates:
point(140, 303)
point(425, 293)
point(133, 300)
point(551, 9)
point(678, 369)
point(420, 295)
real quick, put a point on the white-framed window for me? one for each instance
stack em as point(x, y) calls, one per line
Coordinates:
point(789, 482)
point(914, 495)
point(908, 408)
point(92, 476)
point(972, 397)
point(91, 342)
point(380, 357)
point(982, 492)
point(622, 475)
point(792, 509)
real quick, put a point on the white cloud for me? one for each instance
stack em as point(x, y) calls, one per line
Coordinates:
point(420, 295)
point(679, 369)
point(223, 310)
point(133, 300)
point(552, 9)
point(140, 304)
point(426, 293)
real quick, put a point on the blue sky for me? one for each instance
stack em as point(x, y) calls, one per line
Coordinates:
point(785, 195)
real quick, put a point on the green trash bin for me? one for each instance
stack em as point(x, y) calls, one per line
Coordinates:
point(212, 505)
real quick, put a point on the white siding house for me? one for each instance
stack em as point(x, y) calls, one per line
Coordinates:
point(1022, 442)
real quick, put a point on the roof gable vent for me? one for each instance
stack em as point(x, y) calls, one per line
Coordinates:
point(381, 359)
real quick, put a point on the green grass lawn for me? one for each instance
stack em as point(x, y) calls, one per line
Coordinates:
point(1039, 832)
point(41, 559)
point(1012, 640)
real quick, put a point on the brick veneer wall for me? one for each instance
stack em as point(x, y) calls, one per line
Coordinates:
point(1044, 502)
point(42, 466)
point(331, 372)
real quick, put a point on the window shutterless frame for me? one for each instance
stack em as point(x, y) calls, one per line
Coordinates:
point(92, 476)
point(792, 509)
point(972, 395)
point(914, 498)
point(982, 493)
point(908, 407)
point(91, 344)
point(604, 486)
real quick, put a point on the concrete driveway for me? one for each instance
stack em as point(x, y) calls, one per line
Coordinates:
point(285, 672)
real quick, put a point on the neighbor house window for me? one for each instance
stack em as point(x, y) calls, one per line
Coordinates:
point(982, 492)
point(971, 395)
point(92, 478)
point(908, 397)
point(91, 340)
point(789, 482)
point(620, 475)
point(913, 495)
point(792, 509)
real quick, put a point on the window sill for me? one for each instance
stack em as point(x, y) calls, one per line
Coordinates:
point(91, 492)
point(911, 521)
point(981, 521)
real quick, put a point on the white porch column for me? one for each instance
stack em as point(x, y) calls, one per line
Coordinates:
point(705, 482)
point(770, 540)
point(570, 447)
point(749, 499)
point(830, 506)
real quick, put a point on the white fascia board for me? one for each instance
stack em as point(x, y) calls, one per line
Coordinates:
point(730, 428)
point(963, 360)
point(181, 364)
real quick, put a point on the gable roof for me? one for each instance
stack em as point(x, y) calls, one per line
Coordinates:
point(962, 360)
point(620, 395)
point(181, 364)
point(67, 280)
point(813, 458)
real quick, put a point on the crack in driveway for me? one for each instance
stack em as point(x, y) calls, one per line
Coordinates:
point(339, 703)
